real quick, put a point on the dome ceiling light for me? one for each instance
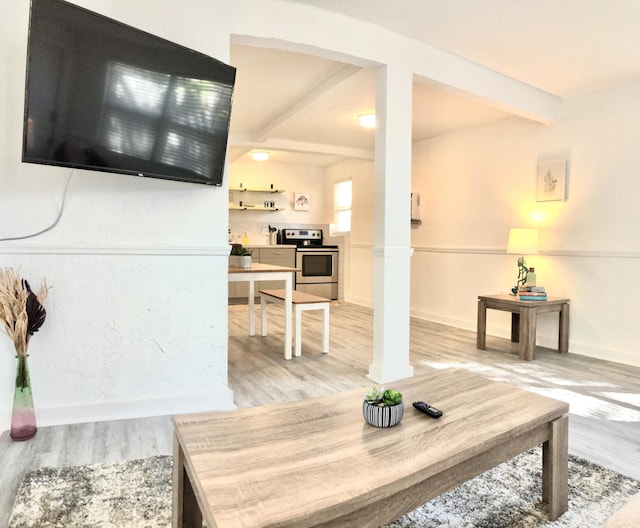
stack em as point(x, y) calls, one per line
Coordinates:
point(367, 120)
point(260, 155)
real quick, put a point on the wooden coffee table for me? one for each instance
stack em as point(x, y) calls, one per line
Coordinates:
point(316, 463)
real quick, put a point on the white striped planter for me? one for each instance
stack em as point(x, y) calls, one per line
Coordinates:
point(382, 415)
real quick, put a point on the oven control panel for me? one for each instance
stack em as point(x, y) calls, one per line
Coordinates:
point(302, 237)
point(303, 234)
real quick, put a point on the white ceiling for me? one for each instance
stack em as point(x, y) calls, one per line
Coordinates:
point(302, 108)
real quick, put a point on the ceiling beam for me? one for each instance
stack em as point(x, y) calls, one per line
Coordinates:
point(340, 74)
point(246, 143)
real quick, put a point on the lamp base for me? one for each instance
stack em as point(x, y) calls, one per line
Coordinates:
point(523, 271)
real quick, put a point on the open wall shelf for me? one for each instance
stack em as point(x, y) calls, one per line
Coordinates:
point(247, 189)
point(244, 208)
point(253, 190)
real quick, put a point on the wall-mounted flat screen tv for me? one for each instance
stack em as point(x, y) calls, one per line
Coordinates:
point(104, 96)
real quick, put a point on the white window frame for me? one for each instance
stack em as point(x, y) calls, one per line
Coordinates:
point(340, 207)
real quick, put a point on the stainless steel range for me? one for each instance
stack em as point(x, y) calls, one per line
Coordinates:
point(318, 263)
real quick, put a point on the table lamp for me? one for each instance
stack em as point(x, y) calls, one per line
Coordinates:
point(522, 242)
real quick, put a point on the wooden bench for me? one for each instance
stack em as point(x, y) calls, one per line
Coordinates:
point(301, 301)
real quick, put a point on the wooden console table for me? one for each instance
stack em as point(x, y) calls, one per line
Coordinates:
point(524, 315)
point(316, 462)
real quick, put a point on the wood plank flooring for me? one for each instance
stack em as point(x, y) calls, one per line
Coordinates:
point(604, 425)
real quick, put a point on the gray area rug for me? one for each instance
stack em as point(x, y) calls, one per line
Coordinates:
point(137, 494)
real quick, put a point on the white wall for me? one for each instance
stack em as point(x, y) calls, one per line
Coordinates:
point(137, 319)
point(477, 183)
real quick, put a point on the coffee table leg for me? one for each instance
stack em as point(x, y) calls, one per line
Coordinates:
point(185, 509)
point(555, 462)
point(178, 484)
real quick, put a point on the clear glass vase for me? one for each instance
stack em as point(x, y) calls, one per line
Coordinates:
point(23, 417)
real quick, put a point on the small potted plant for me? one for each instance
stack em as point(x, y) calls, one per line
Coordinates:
point(240, 256)
point(382, 407)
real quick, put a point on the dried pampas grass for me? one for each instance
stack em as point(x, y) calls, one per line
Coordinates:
point(21, 311)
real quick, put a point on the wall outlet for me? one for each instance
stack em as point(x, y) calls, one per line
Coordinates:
point(265, 231)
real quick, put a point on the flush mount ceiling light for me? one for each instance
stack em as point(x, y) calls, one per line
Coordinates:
point(260, 155)
point(367, 120)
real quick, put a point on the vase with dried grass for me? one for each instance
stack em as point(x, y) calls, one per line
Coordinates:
point(22, 314)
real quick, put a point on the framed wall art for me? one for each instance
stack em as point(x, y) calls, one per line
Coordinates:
point(301, 201)
point(551, 183)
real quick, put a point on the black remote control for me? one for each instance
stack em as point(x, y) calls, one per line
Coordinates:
point(427, 409)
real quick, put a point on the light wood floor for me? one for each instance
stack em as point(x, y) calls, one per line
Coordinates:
point(604, 397)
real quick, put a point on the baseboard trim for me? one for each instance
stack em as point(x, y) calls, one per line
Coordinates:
point(127, 409)
point(367, 303)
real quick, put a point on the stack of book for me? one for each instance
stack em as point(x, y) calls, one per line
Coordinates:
point(532, 293)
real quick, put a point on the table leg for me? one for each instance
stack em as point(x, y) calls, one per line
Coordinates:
point(263, 314)
point(288, 287)
point(252, 315)
point(515, 327)
point(185, 508)
point(178, 484)
point(297, 347)
point(563, 338)
point(325, 329)
point(528, 317)
point(481, 331)
point(555, 462)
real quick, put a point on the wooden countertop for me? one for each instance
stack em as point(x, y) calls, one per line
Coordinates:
point(272, 246)
point(258, 267)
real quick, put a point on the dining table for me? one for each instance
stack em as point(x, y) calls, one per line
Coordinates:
point(260, 272)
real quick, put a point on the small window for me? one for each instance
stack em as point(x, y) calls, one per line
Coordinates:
point(342, 206)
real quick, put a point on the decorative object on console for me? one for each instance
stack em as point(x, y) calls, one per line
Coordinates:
point(532, 277)
point(522, 241)
point(22, 315)
point(532, 293)
point(382, 407)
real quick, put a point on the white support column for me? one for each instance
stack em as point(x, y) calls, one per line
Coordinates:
point(392, 250)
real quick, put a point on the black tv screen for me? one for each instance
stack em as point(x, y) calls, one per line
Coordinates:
point(102, 95)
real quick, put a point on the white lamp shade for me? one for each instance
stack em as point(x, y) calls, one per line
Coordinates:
point(523, 241)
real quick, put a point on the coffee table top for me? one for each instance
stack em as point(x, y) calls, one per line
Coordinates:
point(282, 464)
